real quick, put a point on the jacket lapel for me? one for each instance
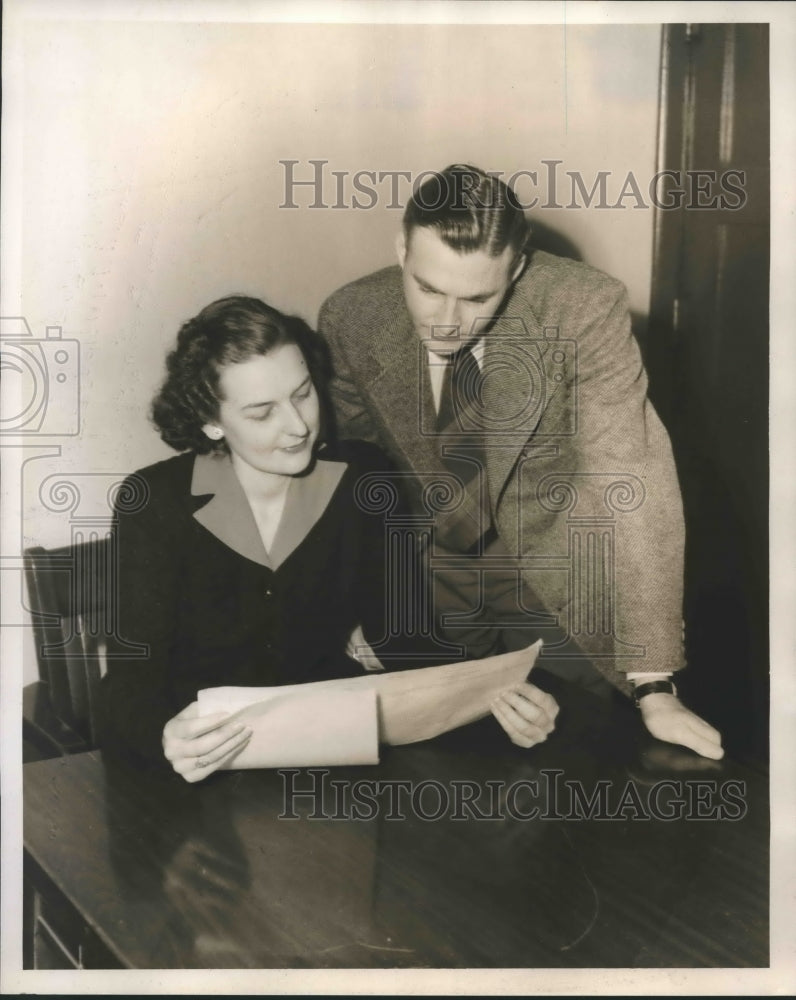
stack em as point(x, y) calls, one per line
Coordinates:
point(515, 391)
point(307, 498)
point(227, 513)
point(401, 392)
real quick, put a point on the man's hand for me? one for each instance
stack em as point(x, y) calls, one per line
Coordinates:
point(527, 713)
point(668, 719)
point(195, 747)
point(359, 649)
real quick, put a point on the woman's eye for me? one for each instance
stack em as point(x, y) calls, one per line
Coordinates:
point(303, 393)
point(262, 415)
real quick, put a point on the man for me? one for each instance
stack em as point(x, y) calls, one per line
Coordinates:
point(513, 375)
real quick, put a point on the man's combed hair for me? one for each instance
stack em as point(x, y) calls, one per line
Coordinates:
point(227, 332)
point(471, 210)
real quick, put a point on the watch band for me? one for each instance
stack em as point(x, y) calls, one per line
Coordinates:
point(653, 687)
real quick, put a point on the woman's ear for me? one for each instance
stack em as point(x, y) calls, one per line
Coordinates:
point(213, 432)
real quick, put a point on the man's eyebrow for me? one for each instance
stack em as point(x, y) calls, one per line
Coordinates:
point(270, 402)
point(425, 284)
point(480, 297)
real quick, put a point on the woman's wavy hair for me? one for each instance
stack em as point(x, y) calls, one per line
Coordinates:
point(227, 332)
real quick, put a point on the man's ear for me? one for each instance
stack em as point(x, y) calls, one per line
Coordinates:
point(400, 247)
point(519, 267)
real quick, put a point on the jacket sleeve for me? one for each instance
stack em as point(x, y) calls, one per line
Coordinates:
point(137, 698)
point(621, 433)
point(611, 498)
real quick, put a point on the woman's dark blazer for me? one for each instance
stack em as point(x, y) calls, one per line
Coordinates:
point(201, 603)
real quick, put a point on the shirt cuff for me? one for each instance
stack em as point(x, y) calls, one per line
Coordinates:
point(647, 677)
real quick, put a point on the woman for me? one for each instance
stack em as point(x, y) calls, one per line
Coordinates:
point(245, 560)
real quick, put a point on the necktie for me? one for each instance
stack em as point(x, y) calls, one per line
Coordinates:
point(461, 389)
point(461, 447)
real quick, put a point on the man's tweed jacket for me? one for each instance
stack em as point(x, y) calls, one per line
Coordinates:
point(579, 467)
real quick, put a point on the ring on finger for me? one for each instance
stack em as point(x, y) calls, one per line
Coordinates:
point(201, 763)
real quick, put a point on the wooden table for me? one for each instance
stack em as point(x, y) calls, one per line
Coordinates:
point(141, 870)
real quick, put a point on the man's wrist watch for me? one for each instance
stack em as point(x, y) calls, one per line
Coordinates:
point(652, 687)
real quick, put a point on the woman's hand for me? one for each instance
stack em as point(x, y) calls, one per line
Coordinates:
point(527, 713)
point(195, 747)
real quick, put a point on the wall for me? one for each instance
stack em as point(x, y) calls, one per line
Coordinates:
point(152, 182)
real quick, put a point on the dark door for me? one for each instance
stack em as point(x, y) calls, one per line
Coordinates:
point(707, 353)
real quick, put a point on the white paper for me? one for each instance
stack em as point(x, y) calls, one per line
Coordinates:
point(340, 722)
point(420, 704)
point(305, 728)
